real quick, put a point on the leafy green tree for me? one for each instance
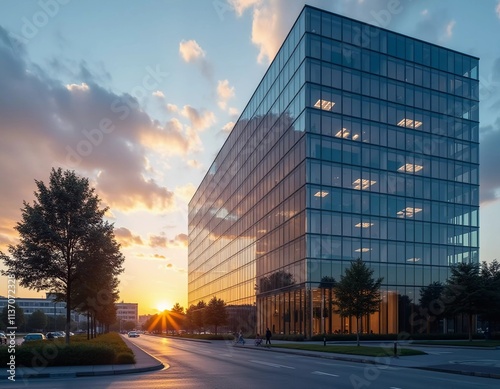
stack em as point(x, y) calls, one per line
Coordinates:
point(37, 320)
point(59, 234)
point(19, 316)
point(357, 293)
point(215, 313)
point(464, 293)
point(432, 305)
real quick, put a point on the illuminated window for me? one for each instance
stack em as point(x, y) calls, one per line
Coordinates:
point(363, 225)
point(324, 104)
point(362, 184)
point(409, 212)
point(363, 250)
point(409, 123)
point(321, 193)
point(343, 133)
point(410, 168)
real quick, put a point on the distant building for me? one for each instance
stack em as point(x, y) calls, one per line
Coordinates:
point(127, 312)
point(47, 305)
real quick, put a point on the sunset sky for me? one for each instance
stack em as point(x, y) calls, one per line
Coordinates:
point(139, 96)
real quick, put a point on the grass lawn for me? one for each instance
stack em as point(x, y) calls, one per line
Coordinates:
point(353, 350)
point(460, 343)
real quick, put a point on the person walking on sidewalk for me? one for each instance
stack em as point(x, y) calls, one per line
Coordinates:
point(268, 337)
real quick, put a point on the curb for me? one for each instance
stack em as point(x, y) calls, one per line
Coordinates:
point(459, 372)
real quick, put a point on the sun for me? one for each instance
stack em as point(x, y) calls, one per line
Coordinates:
point(162, 305)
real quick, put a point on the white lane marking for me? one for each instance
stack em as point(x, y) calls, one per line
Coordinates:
point(323, 373)
point(272, 364)
point(394, 387)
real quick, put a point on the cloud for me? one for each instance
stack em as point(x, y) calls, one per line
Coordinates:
point(194, 164)
point(171, 267)
point(241, 5)
point(171, 139)
point(190, 50)
point(200, 120)
point(185, 193)
point(125, 237)
point(228, 127)
point(225, 92)
point(234, 112)
point(172, 108)
point(158, 94)
point(498, 10)
point(449, 29)
point(180, 240)
point(489, 160)
point(81, 126)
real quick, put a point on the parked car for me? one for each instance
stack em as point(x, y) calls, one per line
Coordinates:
point(33, 337)
point(3, 338)
point(53, 335)
point(133, 334)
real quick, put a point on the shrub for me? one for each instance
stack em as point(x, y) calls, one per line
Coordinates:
point(124, 358)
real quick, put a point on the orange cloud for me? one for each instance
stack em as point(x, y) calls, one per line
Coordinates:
point(125, 237)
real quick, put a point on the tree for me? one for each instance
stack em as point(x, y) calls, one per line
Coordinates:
point(199, 315)
point(490, 275)
point(19, 316)
point(177, 316)
point(357, 293)
point(37, 321)
point(431, 304)
point(464, 292)
point(59, 235)
point(215, 313)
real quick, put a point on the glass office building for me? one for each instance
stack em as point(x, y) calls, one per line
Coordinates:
point(358, 143)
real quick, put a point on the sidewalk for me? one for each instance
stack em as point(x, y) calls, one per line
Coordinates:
point(477, 362)
point(144, 363)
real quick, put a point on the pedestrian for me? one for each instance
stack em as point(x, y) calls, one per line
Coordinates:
point(268, 337)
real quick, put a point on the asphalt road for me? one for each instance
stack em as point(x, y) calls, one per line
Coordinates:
point(219, 365)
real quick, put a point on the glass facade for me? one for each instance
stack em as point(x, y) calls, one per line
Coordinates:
point(358, 143)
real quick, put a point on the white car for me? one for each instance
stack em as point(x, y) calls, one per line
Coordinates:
point(133, 334)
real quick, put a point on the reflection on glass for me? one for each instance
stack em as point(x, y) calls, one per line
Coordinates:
point(363, 225)
point(413, 260)
point(321, 193)
point(324, 104)
point(363, 250)
point(362, 184)
point(410, 168)
point(409, 212)
point(409, 123)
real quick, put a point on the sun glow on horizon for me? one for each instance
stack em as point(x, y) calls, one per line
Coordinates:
point(163, 305)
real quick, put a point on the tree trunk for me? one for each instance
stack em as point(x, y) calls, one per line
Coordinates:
point(470, 327)
point(216, 330)
point(357, 331)
point(68, 311)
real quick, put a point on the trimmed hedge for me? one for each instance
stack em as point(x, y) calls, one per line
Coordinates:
point(106, 349)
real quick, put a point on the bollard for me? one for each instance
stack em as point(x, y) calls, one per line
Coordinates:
point(395, 349)
point(324, 340)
